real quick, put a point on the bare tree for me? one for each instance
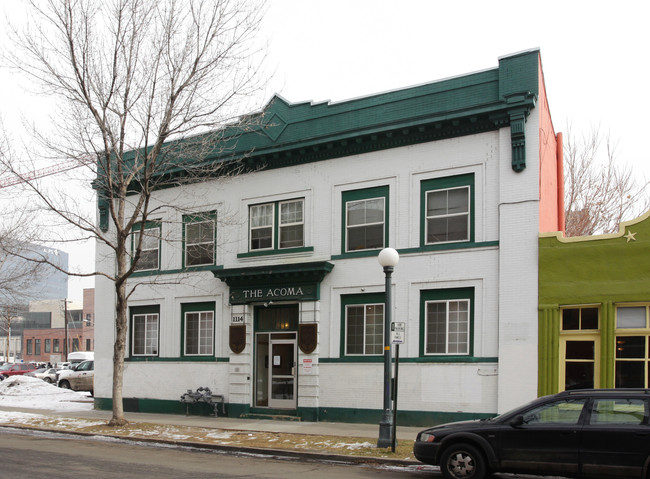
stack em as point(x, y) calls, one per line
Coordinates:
point(599, 190)
point(133, 75)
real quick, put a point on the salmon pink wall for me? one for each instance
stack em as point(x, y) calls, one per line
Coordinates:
point(551, 214)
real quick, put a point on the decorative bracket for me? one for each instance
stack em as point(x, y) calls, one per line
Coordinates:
point(519, 106)
point(102, 205)
point(518, 139)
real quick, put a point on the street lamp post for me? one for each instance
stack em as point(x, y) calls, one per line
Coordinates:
point(388, 259)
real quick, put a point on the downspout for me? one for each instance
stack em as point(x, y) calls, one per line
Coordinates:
point(560, 183)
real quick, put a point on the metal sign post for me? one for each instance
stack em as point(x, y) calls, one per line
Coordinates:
point(398, 335)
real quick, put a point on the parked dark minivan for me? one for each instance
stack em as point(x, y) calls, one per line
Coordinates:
point(576, 433)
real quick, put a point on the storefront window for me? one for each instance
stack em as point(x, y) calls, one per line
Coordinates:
point(632, 347)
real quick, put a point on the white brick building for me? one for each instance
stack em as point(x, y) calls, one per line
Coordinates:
point(266, 287)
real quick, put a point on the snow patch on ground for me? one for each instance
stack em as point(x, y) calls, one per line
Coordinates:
point(33, 393)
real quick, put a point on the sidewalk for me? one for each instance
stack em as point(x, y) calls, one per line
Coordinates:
point(319, 441)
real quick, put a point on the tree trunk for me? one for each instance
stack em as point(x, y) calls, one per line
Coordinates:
point(119, 346)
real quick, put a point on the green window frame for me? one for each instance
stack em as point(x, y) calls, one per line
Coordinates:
point(199, 239)
point(447, 210)
point(198, 329)
point(447, 322)
point(145, 330)
point(150, 251)
point(276, 226)
point(364, 220)
point(362, 326)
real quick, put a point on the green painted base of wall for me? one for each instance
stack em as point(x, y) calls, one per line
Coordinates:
point(346, 415)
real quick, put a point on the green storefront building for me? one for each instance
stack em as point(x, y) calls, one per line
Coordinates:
point(594, 300)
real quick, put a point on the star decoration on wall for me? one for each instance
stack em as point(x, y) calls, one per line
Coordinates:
point(630, 236)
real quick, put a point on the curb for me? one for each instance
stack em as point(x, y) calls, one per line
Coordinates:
point(284, 453)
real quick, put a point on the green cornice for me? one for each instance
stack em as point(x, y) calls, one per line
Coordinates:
point(285, 133)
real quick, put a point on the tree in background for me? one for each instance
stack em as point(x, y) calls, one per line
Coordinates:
point(599, 191)
point(133, 76)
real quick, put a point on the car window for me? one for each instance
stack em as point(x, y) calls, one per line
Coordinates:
point(86, 366)
point(618, 411)
point(565, 411)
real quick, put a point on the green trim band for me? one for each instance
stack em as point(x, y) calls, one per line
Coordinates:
point(421, 359)
point(321, 414)
point(189, 269)
point(423, 249)
point(184, 359)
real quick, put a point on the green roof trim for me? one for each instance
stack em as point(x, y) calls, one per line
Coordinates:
point(285, 133)
point(483, 101)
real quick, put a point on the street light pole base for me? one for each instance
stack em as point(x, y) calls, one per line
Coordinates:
point(385, 430)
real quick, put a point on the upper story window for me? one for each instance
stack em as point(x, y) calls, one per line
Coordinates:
point(365, 214)
point(447, 205)
point(280, 223)
point(150, 247)
point(199, 233)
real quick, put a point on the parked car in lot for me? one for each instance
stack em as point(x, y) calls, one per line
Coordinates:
point(46, 374)
point(15, 369)
point(80, 379)
point(578, 433)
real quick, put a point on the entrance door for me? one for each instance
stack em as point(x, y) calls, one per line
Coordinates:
point(275, 376)
point(579, 362)
point(283, 374)
point(276, 356)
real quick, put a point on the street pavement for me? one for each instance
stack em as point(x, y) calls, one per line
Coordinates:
point(250, 425)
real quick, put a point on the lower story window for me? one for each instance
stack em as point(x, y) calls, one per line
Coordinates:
point(632, 368)
point(144, 327)
point(632, 361)
point(447, 321)
point(363, 323)
point(198, 329)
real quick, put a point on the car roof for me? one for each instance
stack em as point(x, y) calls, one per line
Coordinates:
point(608, 392)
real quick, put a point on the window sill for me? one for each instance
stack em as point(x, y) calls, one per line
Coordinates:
point(273, 252)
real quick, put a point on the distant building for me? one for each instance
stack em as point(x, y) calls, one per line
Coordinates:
point(38, 304)
point(46, 329)
point(51, 284)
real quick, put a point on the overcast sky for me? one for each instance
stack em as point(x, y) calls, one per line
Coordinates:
point(594, 55)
